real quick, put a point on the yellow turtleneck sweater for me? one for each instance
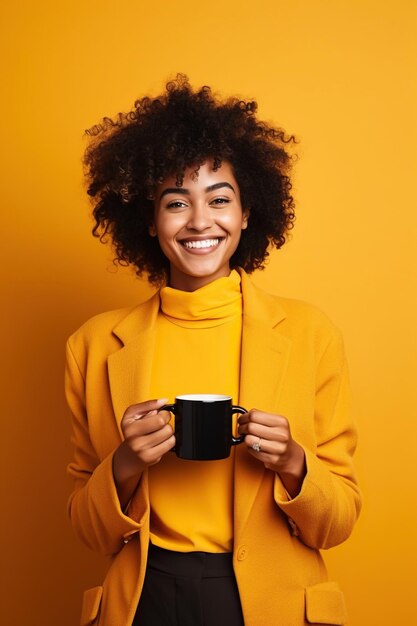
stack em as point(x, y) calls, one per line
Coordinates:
point(197, 350)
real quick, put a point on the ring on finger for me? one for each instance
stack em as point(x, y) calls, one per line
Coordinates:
point(257, 445)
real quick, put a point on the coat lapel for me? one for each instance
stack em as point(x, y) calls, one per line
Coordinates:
point(130, 367)
point(265, 353)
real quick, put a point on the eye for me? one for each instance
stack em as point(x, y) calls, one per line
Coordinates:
point(176, 204)
point(220, 201)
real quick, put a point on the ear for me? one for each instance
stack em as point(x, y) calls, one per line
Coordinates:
point(245, 218)
point(152, 230)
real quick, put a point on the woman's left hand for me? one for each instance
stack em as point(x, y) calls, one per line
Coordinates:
point(268, 438)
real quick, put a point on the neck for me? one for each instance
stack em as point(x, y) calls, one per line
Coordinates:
point(185, 282)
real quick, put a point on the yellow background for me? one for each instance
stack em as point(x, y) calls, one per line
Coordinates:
point(341, 75)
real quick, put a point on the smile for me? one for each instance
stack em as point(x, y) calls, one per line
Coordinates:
point(205, 243)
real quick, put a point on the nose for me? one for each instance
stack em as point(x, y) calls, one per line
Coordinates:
point(200, 217)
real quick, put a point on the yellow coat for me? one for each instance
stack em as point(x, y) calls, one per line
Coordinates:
point(292, 364)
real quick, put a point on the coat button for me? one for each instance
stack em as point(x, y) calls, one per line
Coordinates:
point(242, 553)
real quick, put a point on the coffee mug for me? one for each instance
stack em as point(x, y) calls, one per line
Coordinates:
point(203, 426)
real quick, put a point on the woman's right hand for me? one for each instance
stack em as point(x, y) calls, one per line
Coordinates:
point(147, 437)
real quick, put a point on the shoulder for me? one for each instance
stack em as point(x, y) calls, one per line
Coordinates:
point(100, 332)
point(308, 326)
point(102, 323)
point(300, 311)
point(290, 312)
point(303, 323)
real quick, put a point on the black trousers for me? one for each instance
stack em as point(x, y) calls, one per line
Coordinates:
point(189, 589)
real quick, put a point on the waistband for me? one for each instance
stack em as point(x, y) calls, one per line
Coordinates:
point(190, 564)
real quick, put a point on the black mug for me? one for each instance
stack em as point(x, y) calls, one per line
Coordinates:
point(203, 426)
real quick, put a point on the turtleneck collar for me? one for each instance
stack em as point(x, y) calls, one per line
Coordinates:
point(211, 305)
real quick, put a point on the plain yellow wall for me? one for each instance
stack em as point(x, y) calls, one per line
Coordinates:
point(341, 75)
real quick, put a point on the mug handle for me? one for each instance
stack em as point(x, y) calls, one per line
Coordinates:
point(241, 439)
point(168, 407)
point(171, 409)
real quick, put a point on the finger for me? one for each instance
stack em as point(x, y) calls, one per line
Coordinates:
point(165, 446)
point(264, 457)
point(154, 455)
point(140, 416)
point(265, 432)
point(260, 417)
point(267, 447)
point(137, 411)
point(244, 418)
point(147, 425)
point(165, 414)
point(151, 440)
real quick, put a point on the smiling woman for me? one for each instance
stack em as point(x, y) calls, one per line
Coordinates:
point(194, 191)
point(167, 137)
point(199, 225)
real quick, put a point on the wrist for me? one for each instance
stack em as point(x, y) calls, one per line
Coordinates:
point(292, 474)
point(126, 465)
point(295, 465)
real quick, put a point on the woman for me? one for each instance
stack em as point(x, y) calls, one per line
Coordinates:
point(194, 191)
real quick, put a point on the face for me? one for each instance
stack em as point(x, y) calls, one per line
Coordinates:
point(199, 225)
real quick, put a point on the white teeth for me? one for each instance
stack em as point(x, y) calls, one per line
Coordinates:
point(207, 243)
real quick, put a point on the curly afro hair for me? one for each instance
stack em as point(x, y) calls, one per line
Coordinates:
point(163, 136)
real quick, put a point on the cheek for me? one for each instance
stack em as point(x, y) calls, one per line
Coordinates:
point(168, 225)
point(234, 223)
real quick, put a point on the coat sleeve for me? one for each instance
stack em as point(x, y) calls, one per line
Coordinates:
point(93, 506)
point(323, 514)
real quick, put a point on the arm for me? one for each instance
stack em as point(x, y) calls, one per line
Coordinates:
point(147, 437)
point(94, 507)
point(105, 489)
point(328, 504)
point(315, 488)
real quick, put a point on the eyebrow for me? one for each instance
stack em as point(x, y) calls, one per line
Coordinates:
point(186, 192)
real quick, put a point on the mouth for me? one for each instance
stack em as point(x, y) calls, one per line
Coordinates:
point(201, 244)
